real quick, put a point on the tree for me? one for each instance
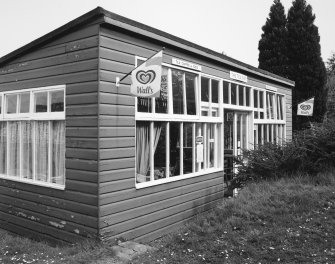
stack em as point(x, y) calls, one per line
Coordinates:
point(272, 45)
point(306, 67)
point(331, 65)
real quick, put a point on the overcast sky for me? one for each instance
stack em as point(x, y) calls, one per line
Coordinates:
point(229, 26)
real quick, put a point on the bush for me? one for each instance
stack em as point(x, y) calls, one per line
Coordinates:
point(311, 151)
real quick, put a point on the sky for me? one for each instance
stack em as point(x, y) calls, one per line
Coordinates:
point(233, 27)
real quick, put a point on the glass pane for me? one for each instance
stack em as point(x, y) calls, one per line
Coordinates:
point(238, 133)
point(42, 150)
point(265, 133)
point(211, 142)
point(41, 102)
point(204, 112)
point(244, 131)
point(256, 115)
point(11, 100)
point(190, 93)
point(259, 134)
point(142, 151)
point(3, 147)
point(255, 99)
point(199, 151)
point(270, 133)
point(280, 107)
point(188, 148)
point(174, 149)
point(177, 92)
point(225, 92)
point(162, 101)
point(0, 104)
point(27, 149)
point(228, 130)
point(233, 93)
point(58, 152)
point(14, 149)
point(247, 96)
point(261, 94)
point(261, 115)
point(241, 94)
point(144, 104)
point(159, 150)
point(57, 101)
point(215, 91)
point(24, 102)
point(271, 106)
point(204, 89)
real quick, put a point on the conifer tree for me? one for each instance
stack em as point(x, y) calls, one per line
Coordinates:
point(306, 67)
point(272, 45)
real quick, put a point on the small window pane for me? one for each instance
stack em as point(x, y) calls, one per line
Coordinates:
point(259, 134)
point(27, 149)
point(215, 91)
point(162, 101)
point(160, 151)
point(174, 149)
point(144, 104)
point(0, 104)
point(42, 150)
point(24, 102)
point(233, 94)
point(190, 93)
point(57, 101)
point(261, 99)
point(247, 95)
point(204, 112)
point(241, 95)
point(188, 148)
point(225, 92)
point(177, 92)
point(204, 89)
point(211, 142)
point(58, 152)
point(14, 149)
point(11, 100)
point(255, 99)
point(256, 115)
point(3, 147)
point(41, 102)
point(261, 115)
point(142, 151)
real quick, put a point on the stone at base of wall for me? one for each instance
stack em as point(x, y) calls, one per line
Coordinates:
point(129, 249)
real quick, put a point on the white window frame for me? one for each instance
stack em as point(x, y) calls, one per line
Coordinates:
point(31, 116)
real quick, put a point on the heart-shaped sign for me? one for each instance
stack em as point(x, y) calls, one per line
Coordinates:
point(305, 107)
point(145, 77)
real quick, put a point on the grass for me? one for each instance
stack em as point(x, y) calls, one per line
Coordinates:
point(290, 220)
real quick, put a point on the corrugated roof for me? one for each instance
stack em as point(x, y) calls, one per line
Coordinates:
point(121, 21)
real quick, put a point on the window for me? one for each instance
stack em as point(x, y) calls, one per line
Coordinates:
point(209, 97)
point(258, 104)
point(32, 136)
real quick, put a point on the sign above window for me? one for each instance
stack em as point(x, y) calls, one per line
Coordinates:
point(238, 76)
point(186, 64)
point(271, 88)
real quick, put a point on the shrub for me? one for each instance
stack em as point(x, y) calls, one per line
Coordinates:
point(311, 151)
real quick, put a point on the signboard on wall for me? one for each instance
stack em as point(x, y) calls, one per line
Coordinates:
point(306, 108)
point(238, 76)
point(186, 64)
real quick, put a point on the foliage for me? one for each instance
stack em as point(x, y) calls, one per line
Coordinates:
point(311, 151)
point(306, 67)
point(272, 45)
point(331, 65)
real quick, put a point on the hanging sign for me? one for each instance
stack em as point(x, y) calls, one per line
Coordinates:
point(238, 76)
point(146, 79)
point(186, 64)
point(306, 108)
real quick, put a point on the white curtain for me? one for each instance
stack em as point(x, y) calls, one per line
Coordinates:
point(42, 150)
point(27, 149)
point(143, 148)
point(58, 152)
point(3, 147)
point(14, 149)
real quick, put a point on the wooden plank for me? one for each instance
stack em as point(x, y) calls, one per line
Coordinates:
point(109, 86)
point(72, 142)
point(109, 187)
point(121, 142)
point(82, 87)
point(110, 54)
point(87, 121)
point(52, 80)
point(73, 67)
point(181, 202)
point(38, 217)
point(116, 99)
point(117, 132)
point(115, 175)
point(175, 187)
point(117, 164)
point(85, 204)
point(108, 76)
point(133, 202)
point(79, 110)
point(87, 132)
point(118, 110)
point(88, 165)
point(116, 121)
point(47, 60)
point(81, 99)
point(79, 175)
point(148, 223)
point(81, 186)
point(81, 153)
point(117, 153)
point(114, 66)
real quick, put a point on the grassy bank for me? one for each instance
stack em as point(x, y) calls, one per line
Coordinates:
point(277, 221)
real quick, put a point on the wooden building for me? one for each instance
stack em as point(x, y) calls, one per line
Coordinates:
point(80, 157)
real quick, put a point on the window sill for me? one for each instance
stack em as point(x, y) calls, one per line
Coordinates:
point(43, 184)
point(176, 178)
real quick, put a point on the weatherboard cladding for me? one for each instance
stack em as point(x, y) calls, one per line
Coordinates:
point(100, 198)
point(59, 215)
